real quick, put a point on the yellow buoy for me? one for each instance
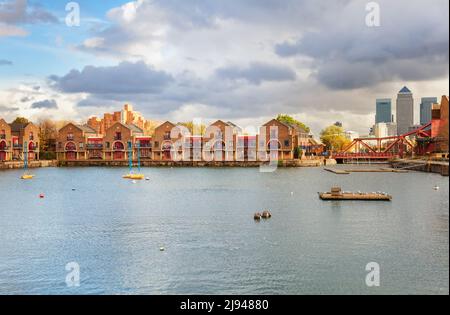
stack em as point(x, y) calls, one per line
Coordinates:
point(27, 177)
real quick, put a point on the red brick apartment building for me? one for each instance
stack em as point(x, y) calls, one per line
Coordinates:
point(18, 139)
point(221, 141)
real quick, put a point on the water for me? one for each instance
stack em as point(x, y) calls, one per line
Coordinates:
point(204, 218)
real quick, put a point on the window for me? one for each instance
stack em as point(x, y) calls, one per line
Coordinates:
point(118, 136)
point(108, 145)
point(70, 137)
point(286, 143)
point(59, 145)
point(3, 134)
point(31, 136)
point(156, 144)
point(81, 145)
point(167, 135)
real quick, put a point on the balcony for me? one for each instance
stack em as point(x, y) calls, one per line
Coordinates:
point(33, 148)
point(17, 146)
point(94, 146)
point(5, 148)
point(143, 145)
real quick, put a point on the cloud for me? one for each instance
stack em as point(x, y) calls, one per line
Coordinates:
point(6, 109)
point(256, 73)
point(125, 78)
point(26, 99)
point(14, 13)
point(411, 44)
point(4, 62)
point(45, 104)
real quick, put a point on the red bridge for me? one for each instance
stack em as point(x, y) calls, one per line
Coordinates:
point(383, 148)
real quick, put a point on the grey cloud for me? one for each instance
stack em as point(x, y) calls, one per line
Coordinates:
point(26, 99)
point(256, 73)
point(7, 109)
point(14, 13)
point(4, 62)
point(45, 104)
point(19, 12)
point(125, 78)
point(411, 44)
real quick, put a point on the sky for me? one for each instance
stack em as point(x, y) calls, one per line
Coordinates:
point(239, 60)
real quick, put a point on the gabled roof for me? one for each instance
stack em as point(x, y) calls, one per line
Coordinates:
point(86, 129)
point(405, 90)
point(166, 122)
point(133, 128)
point(280, 122)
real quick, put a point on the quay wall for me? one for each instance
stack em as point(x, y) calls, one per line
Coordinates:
point(422, 166)
point(102, 163)
point(31, 164)
point(286, 163)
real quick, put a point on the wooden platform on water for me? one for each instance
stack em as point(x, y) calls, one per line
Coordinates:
point(364, 170)
point(356, 196)
point(377, 170)
point(335, 171)
point(337, 194)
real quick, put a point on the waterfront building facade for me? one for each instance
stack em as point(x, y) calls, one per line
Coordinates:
point(164, 141)
point(5, 141)
point(120, 141)
point(72, 143)
point(405, 111)
point(18, 140)
point(25, 138)
point(425, 109)
point(383, 111)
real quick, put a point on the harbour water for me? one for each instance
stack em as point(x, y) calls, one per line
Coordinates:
point(114, 229)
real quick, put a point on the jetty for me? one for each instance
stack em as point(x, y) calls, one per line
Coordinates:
point(336, 171)
point(337, 194)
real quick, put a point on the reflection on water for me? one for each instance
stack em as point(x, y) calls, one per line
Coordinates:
point(204, 218)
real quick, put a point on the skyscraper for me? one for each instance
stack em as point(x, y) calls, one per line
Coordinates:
point(384, 111)
point(425, 109)
point(405, 111)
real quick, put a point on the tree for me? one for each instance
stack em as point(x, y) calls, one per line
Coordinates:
point(334, 138)
point(47, 138)
point(292, 121)
point(21, 120)
point(298, 152)
point(194, 129)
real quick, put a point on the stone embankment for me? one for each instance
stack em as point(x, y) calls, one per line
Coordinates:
point(32, 164)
